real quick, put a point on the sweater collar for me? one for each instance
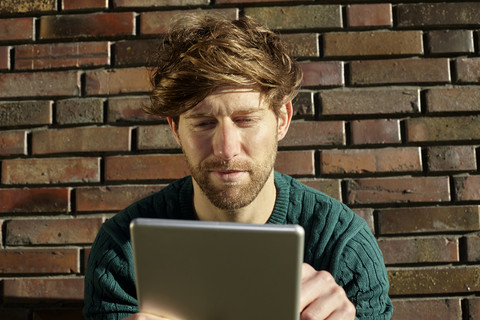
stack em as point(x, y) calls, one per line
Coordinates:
point(279, 214)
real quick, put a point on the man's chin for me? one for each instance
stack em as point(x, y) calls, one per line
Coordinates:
point(230, 198)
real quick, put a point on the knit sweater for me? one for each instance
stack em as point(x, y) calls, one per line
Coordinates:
point(336, 240)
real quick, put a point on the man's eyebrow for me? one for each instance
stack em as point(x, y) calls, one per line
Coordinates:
point(247, 110)
point(197, 115)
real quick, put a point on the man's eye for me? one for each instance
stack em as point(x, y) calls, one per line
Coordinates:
point(245, 121)
point(203, 124)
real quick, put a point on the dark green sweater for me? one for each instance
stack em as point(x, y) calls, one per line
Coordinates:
point(336, 240)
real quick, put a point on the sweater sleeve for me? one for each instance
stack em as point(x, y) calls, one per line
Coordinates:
point(362, 274)
point(109, 281)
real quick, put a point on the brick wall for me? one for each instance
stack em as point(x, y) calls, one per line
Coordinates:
point(387, 121)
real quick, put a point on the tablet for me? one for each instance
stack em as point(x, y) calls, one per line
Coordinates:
point(198, 270)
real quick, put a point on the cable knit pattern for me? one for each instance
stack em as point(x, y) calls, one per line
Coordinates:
point(336, 240)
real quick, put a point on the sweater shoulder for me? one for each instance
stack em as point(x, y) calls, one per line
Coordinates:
point(306, 203)
point(167, 203)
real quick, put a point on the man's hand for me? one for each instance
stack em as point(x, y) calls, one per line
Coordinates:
point(144, 316)
point(321, 298)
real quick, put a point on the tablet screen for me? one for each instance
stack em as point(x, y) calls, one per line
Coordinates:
point(197, 270)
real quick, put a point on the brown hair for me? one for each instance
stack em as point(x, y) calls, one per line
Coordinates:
point(201, 53)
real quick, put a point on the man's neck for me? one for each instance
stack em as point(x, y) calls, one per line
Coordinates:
point(257, 212)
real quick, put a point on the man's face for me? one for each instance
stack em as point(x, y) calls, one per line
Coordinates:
point(230, 143)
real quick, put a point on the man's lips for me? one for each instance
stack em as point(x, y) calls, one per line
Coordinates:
point(229, 175)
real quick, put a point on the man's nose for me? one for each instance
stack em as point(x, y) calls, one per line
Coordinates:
point(226, 144)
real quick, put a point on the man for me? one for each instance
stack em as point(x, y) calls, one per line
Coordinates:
point(226, 89)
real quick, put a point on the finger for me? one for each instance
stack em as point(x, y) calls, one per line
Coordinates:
point(321, 297)
point(347, 313)
point(331, 305)
point(315, 285)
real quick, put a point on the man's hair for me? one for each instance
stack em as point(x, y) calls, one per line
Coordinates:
point(202, 53)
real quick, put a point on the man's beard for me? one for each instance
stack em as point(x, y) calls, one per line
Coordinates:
point(234, 195)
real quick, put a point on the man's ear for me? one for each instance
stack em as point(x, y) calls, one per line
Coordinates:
point(284, 119)
point(174, 127)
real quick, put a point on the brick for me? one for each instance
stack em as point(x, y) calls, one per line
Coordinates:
point(156, 3)
point(35, 200)
point(438, 14)
point(453, 99)
point(145, 167)
point(157, 137)
point(474, 308)
point(111, 198)
point(429, 219)
point(369, 15)
point(315, 133)
point(398, 190)
point(87, 25)
point(157, 22)
point(368, 161)
point(54, 314)
point(367, 101)
point(50, 171)
point(443, 129)
point(15, 261)
point(43, 290)
point(399, 71)
point(353, 44)
point(129, 109)
point(79, 111)
point(116, 81)
point(472, 243)
point(467, 187)
point(323, 73)
point(468, 70)
point(450, 41)
point(367, 215)
point(87, 139)
point(301, 44)
point(451, 158)
point(434, 280)
point(13, 143)
point(419, 250)
point(25, 113)
point(135, 52)
point(40, 84)
point(26, 6)
point(4, 58)
point(51, 231)
point(375, 131)
point(62, 55)
point(85, 4)
point(298, 17)
point(427, 309)
point(303, 104)
point(16, 29)
point(304, 162)
point(330, 187)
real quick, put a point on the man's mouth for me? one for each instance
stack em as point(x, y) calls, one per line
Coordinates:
point(229, 176)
